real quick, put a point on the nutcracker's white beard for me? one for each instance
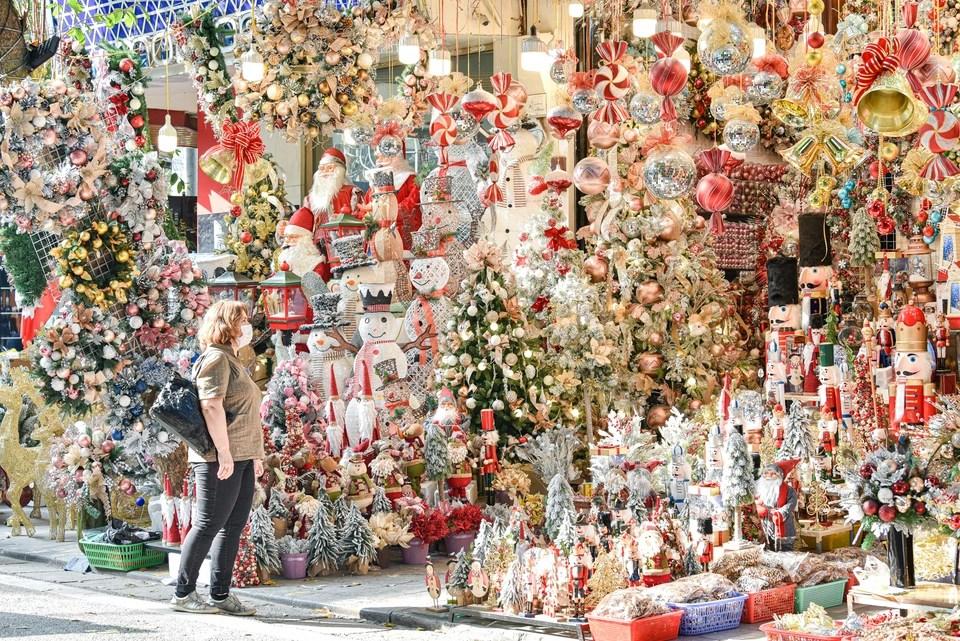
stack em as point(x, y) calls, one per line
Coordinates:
point(324, 189)
point(302, 255)
point(768, 491)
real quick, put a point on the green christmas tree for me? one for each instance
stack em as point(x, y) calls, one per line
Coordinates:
point(864, 239)
point(490, 357)
point(252, 222)
point(797, 439)
point(357, 549)
point(264, 540)
point(435, 453)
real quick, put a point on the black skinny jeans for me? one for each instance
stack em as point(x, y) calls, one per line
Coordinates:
point(223, 508)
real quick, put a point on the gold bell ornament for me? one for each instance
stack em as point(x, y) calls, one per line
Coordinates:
point(883, 97)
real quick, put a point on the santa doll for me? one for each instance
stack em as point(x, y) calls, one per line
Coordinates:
point(816, 269)
point(776, 504)
point(331, 193)
point(299, 250)
point(913, 394)
point(388, 142)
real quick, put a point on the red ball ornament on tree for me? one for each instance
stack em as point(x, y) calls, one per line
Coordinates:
point(867, 470)
point(920, 507)
point(126, 65)
point(246, 238)
point(236, 211)
point(714, 191)
point(136, 121)
point(900, 487)
point(870, 506)
point(139, 140)
point(815, 40)
point(887, 513)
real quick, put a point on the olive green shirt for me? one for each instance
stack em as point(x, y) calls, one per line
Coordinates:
point(222, 375)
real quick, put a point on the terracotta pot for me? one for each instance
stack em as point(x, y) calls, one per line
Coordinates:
point(416, 553)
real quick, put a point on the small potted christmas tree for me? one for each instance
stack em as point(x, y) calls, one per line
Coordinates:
point(463, 523)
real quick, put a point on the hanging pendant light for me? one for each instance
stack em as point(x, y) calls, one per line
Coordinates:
point(408, 50)
point(533, 53)
point(644, 22)
point(439, 62)
point(759, 38)
point(167, 137)
point(575, 9)
point(252, 68)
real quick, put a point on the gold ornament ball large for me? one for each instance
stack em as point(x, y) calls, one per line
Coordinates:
point(350, 109)
point(323, 87)
point(303, 100)
point(343, 98)
point(889, 151)
point(274, 92)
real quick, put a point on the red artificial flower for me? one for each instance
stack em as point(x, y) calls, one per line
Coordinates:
point(464, 518)
point(235, 211)
point(429, 526)
point(120, 101)
point(557, 238)
point(540, 304)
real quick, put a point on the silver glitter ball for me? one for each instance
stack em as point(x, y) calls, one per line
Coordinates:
point(557, 73)
point(764, 87)
point(725, 55)
point(645, 108)
point(362, 135)
point(390, 146)
point(584, 100)
point(740, 135)
point(467, 125)
point(669, 173)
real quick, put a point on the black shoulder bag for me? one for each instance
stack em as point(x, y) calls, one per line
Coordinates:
point(177, 408)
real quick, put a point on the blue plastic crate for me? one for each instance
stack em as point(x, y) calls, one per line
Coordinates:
point(710, 616)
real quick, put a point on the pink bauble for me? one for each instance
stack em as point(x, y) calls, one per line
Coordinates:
point(668, 77)
point(107, 447)
point(596, 268)
point(84, 441)
point(518, 92)
point(714, 192)
point(603, 135)
point(914, 48)
point(591, 176)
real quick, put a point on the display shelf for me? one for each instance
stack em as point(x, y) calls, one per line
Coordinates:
point(926, 596)
point(580, 628)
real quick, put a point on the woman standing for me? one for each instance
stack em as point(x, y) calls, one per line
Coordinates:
point(225, 476)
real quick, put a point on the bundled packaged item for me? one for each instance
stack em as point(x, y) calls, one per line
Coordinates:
point(732, 563)
point(806, 569)
point(814, 620)
point(694, 589)
point(629, 604)
point(755, 578)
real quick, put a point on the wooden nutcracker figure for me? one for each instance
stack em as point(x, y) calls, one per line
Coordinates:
point(913, 394)
point(816, 270)
point(886, 338)
point(946, 380)
point(704, 543)
point(489, 462)
point(783, 315)
point(580, 563)
point(829, 393)
point(811, 356)
point(630, 556)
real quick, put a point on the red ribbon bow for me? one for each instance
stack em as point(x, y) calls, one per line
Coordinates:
point(558, 239)
point(878, 58)
point(243, 139)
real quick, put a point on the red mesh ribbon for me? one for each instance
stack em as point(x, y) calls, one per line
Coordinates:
point(390, 128)
point(243, 140)
point(878, 58)
point(612, 51)
point(666, 43)
point(772, 63)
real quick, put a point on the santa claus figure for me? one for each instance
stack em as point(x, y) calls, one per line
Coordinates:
point(776, 504)
point(300, 251)
point(331, 193)
point(913, 394)
point(388, 141)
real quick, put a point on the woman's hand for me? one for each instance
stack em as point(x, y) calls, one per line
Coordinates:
point(226, 465)
point(257, 468)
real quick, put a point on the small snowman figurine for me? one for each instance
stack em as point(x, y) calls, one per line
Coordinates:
point(326, 351)
point(354, 268)
point(359, 485)
point(380, 353)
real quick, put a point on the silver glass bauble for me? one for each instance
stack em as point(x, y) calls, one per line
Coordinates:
point(584, 100)
point(764, 87)
point(631, 228)
point(390, 146)
point(669, 173)
point(558, 72)
point(645, 108)
point(741, 135)
point(467, 125)
point(724, 48)
point(362, 135)
point(681, 103)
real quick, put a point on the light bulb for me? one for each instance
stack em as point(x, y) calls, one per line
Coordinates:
point(575, 9)
point(533, 55)
point(167, 137)
point(759, 37)
point(683, 56)
point(408, 50)
point(644, 23)
point(439, 63)
point(252, 68)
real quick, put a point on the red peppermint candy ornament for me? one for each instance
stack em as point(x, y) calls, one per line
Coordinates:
point(505, 114)
point(443, 128)
point(668, 76)
point(611, 82)
point(941, 132)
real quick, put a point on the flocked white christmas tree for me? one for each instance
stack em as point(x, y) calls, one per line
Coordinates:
point(511, 592)
point(325, 554)
point(435, 453)
point(797, 439)
point(559, 504)
point(357, 546)
point(566, 533)
point(737, 483)
point(264, 541)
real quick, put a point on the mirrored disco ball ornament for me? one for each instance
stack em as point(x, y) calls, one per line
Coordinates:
point(645, 108)
point(681, 103)
point(718, 108)
point(557, 73)
point(764, 87)
point(362, 135)
point(467, 125)
point(724, 48)
point(740, 135)
point(669, 173)
point(390, 146)
point(584, 100)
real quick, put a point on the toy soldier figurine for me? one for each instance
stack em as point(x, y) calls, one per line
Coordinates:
point(490, 464)
point(941, 335)
point(886, 339)
point(679, 476)
point(912, 395)
point(579, 575)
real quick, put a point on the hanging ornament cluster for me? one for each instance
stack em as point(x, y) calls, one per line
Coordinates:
point(668, 76)
point(715, 190)
point(611, 83)
point(506, 114)
point(939, 134)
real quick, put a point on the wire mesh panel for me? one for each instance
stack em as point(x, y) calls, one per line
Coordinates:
point(43, 242)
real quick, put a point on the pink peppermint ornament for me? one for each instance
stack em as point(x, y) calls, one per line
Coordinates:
point(611, 82)
point(668, 76)
point(940, 133)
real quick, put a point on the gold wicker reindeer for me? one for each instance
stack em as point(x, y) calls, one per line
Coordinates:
point(23, 464)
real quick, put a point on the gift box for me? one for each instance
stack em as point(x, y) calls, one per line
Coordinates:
point(824, 539)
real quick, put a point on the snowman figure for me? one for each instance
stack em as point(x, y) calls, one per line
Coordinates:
point(355, 267)
point(428, 313)
point(326, 352)
point(380, 353)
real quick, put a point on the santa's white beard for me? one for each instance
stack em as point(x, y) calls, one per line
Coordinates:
point(302, 257)
point(324, 189)
point(768, 491)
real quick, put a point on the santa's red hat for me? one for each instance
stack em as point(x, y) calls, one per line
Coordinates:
point(301, 221)
point(332, 154)
point(784, 467)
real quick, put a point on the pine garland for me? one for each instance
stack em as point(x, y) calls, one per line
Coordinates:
point(22, 264)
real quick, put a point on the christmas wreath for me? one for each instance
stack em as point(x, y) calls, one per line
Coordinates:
point(97, 263)
point(75, 355)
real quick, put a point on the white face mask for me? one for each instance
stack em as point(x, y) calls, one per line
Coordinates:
point(246, 335)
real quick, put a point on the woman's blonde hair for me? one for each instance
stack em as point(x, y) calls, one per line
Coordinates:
point(221, 323)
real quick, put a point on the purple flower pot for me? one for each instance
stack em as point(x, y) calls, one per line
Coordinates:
point(458, 541)
point(416, 553)
point(294, 565)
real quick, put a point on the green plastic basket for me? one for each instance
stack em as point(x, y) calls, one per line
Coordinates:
point(127, 557)
point(827, 595)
